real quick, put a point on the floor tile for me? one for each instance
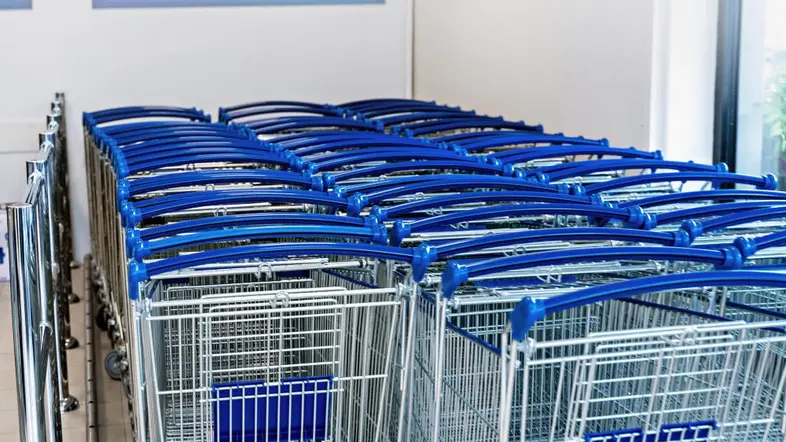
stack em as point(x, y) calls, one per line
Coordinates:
point(75, 434)
point(112, 433)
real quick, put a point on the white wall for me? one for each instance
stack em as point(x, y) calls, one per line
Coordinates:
point(581, 67)
point(202, 57)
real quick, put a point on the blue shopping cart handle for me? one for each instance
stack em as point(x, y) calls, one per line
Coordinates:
point(383, 103)
point(160, 140)
point(404, 108)
point(433, 115)
point(129, 135)
point(361, 144)
point(483, 142)
point(271, 126)
point(379, 184)
point(632, 216)
point(709, 210)
point(749, 246)
point(364, 156)
point(419, 129)
point(735, 219)
point(437, 203)
point(523, 137)
point(135, 213)
point(172, 147)
point(98, 119)
point(127, 189)
point(132, 112)
point(420, 111)
point(139, 272)
point(244, 220)
point(531, 310)
point(767, 182)
point(575, 169)
point(191, 157)
point(144, 249)
point(304, 104)
point(122, 131)
point(707, 195)
point(526, 154)
point(458, 182)
point(405, 166)
point(677, 238)
point(456, 274)
point(251, 112)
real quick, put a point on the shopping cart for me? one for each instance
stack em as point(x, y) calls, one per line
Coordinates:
point(270, 342)
point(630, 369)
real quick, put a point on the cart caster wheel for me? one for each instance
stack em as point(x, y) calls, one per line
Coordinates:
point(112, 366)
point(102, 319)
point(73, 298)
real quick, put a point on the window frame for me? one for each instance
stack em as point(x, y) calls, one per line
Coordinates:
point(16, 4)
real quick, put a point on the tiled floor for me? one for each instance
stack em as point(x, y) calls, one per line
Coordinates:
point(112, 408)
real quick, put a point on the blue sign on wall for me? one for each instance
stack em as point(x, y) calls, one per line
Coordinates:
point(197, 3)
point(16, 4)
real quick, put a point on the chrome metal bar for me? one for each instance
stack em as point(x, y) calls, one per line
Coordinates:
point(39, 417)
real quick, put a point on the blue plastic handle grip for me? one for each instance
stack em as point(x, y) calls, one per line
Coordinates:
point(459, 182)
point(382, 103)
point(632, 216)
point(122, 113)
point(707, 195)
point(423, 116)
point(677, 238)
point(379, 184)
point(139, 271)
point(244, 220)
point(297, 123)
point(200, 157)
point(144, 249)
point(305, 104)
point(712, 210)
point(530, 310)
point(315, 136)
point(185, 136)
point(463, 124)
point(500, 135)
point(133, 152)
point(482, 143)
point(372, 110)
point(735, 219)
point(194, 115)
point(421, 111)
point(750, 246)
point(151, 184)
point(525, 154)
point(455, 274)
point(442, 165)
point(135, 213)
point(582, 168)
point(361, 144)
point(252, 112)
point(767, 182)
point(439, 202)
point(120, 131)
point(405, 108)
point(365, 156)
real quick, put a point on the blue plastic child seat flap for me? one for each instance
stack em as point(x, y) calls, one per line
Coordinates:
point(294, 409)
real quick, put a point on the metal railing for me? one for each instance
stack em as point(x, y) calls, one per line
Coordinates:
point(40, 256)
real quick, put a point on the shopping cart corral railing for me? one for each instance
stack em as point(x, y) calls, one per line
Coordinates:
point(40, 265)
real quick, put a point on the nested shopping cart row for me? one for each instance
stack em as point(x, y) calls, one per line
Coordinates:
point(402, 270)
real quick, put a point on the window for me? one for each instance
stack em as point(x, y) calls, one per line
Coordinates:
point(16, 4)
point(761, 107)
point(185, 3)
